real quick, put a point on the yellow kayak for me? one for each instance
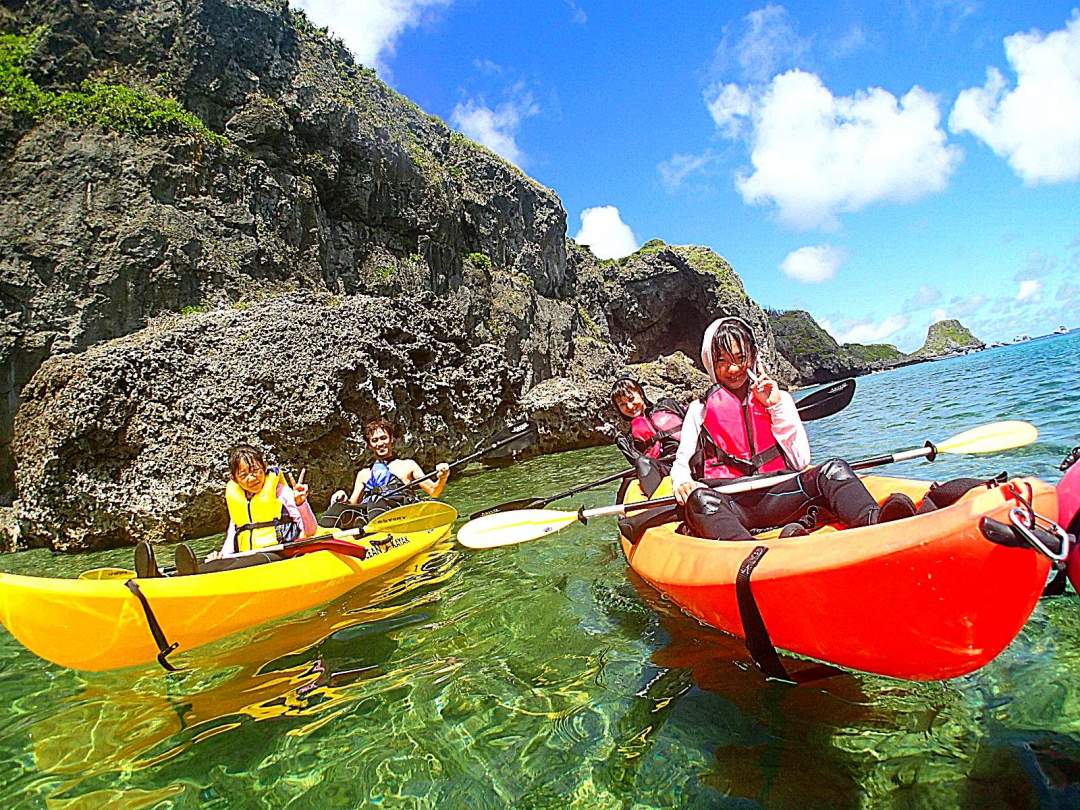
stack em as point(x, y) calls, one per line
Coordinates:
point(101, 624)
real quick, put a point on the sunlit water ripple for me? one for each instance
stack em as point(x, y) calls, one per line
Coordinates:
point(547, 675)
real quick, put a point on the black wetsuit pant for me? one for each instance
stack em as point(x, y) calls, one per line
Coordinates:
point(832, 486)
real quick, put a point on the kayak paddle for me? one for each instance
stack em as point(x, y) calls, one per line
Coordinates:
point(519, 436)
point(508, 528)
point(826, 401)
point(412, 517)
point(536, 503)
point(821, 403)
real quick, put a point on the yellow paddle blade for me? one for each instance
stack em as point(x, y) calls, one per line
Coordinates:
point(991, 438)
point(413, 517)
point(107, 573)
point(508, 528)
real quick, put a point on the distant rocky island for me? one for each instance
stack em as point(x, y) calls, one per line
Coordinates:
point(818, 358)
point(216, 226)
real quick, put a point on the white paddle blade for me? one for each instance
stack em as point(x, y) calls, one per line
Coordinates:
point(991, 438)
point(508, 528)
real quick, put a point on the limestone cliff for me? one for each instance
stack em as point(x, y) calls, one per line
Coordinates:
point(215, 226)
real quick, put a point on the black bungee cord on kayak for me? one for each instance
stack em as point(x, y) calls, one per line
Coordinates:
point(165, 647)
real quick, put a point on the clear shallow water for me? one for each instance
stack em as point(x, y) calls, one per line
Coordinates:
point(547, 675)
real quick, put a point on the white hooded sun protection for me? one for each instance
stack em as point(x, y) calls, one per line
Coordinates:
point(707, 345)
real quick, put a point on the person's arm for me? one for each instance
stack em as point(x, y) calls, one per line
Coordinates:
point(432, 488)
point(229, 546)
point(682, 480)
point(790, 433)
point(362, 478)
point(301, 513)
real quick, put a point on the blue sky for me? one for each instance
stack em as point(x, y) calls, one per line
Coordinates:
point(882, 165)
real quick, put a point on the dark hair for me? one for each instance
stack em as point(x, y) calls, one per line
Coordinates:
point(626, 387)
point(378, 424)
point(245, 454)
point(734, 333)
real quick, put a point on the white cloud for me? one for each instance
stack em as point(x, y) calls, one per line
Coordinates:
point(865, 330)
point(371, 28)
point(675, 170)
point(813, 264)
point(939, 315)
point(577, 13)
point(850, 42)
point(924, 297)
point(604, 231)
point(1030, 290)
point(816, 155)
point(728, 105)
point(1036, 124)
point(763, 43)
point(965, 307)
point(496, 128)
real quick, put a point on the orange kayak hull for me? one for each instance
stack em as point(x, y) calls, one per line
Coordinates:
point(926, 598)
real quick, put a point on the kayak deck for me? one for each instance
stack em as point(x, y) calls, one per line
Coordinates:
point(100, 625)
point(925, 598)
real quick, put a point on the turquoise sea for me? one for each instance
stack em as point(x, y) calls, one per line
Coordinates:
point(547, 675)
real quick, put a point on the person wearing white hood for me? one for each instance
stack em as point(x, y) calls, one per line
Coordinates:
point(746, 425)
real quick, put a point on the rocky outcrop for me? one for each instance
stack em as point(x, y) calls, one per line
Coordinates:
point(128, 439)
point(329, 181)
point(818, 358)
point(9, 529)
point(663, 297)
point(576, 412)
point(948, 337)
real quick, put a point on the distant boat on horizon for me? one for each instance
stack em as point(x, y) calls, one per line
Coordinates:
point(1061, 330)
point(1021, 338)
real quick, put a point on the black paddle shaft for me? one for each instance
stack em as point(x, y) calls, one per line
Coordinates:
point(517, 432)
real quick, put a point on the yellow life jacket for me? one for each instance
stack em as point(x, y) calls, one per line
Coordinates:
point(256, 518)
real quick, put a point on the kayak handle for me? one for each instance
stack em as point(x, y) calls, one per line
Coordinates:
point(1041, 537)
point(1048, 539)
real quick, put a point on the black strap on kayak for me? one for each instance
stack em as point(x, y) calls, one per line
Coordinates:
point(757, 636)
point(163, 645)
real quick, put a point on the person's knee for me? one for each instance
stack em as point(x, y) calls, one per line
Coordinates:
point(836, 470)
point(705, 501)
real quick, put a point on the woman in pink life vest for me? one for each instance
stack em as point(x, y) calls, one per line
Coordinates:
point(745, 425)
point(655, 429)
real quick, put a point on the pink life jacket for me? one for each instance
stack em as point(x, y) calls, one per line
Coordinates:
point(739, 438)
point(652, 428)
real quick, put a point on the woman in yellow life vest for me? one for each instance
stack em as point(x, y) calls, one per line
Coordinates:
point(264, 511)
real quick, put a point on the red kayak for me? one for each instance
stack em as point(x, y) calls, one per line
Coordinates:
point(925, 598)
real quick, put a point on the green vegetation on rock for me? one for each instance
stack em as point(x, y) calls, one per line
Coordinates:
point(873, 352)
point(818, 356)
point(479, 260)
point(112, 106)
point(948, 336)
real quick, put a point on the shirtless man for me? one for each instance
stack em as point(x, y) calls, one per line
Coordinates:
point(388, 473)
